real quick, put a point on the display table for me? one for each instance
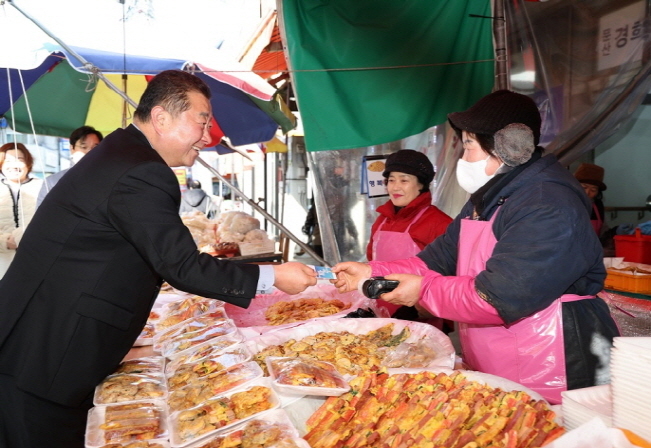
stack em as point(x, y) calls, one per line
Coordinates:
point(299, 408)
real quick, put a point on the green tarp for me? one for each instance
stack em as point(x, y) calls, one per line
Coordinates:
point(368, 72)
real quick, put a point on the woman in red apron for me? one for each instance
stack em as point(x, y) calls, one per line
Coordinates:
point(519, 268)
point(408, 221)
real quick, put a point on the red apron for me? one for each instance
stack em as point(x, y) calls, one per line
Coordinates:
point(596, 223)
point(389, 246)
point(530, 351)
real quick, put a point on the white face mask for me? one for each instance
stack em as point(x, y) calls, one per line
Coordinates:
point(472, 175)
point(76, 156)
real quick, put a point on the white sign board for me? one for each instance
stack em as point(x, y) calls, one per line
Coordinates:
point(373, 181)
point(621, 36)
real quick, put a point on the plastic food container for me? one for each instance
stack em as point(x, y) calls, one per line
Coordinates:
point(222, 412)
point(173, 313)
point(227, 358)
point(127, 424)
point(626, 281)
point(207, 388)
point(297, 376)
point(206, 349)
point(275, 424)
point(130, 388)
point(217, 317)
point(208, 370)
point(149, 365)
point(146, 336)
point(190, 339)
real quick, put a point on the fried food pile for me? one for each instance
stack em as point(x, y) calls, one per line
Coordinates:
point(428, 410)
point(288, 311)
point(176, 312)
point(143, 366)
point(130, 387)
point(306, 372)
point(633, 269)
point(211, 348)
point(222, 411)
point(213, 384)
point(256, 434)
point(138, 444)
point(349, 353)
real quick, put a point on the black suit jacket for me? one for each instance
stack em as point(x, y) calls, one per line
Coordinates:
point(90, 266)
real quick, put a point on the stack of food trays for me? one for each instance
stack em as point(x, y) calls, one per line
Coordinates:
point(222, 412)
point(192, 332)
point(176, 312)
point(186, 393)
point(230, 343)
point(201, 383)
point(269, 429)
point(130, 406)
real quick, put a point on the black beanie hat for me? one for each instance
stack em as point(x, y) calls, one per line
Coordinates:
point(411, 162)
point(497, 110)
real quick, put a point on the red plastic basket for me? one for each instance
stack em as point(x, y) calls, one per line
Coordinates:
point(635, 248)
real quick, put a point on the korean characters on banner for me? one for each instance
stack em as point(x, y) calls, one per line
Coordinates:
point(373, 183)
point(621, 36)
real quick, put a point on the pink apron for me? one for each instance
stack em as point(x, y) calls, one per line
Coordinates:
point(596, 223)
point(530, 351)
point(389, 246)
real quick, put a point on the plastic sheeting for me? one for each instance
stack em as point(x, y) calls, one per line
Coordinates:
point(632, 314)
point(585, 62)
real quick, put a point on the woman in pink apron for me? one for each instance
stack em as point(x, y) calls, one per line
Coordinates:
point(519, 268)
point(408, 221)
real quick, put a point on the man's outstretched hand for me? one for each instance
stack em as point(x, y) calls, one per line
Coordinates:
point(293, 277)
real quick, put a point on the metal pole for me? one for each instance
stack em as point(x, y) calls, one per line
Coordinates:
point(252, 203)
point(501, 55)
point(87, 65)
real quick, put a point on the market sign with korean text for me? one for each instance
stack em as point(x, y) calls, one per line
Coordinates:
point(621, 36)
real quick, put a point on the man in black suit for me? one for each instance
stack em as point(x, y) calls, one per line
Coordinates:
point(91, 263)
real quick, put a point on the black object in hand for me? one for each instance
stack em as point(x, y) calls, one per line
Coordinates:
point(361, 312)
point(374, 287)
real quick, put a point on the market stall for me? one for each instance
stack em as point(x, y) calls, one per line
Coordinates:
point(292, 372)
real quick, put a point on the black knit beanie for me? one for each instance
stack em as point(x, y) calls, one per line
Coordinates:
point(497, 110)
point(411, 162)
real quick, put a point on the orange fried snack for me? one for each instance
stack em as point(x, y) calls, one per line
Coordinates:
point(284, 312)
point(429, 410)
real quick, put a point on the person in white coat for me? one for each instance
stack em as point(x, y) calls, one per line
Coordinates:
point(18, 194)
